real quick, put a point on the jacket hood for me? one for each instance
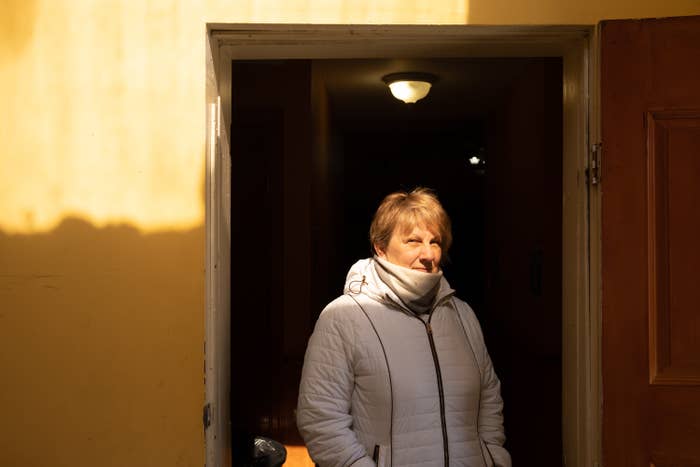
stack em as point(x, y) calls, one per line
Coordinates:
point(363, 279)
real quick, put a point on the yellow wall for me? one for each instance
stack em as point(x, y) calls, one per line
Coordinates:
point(101, 210)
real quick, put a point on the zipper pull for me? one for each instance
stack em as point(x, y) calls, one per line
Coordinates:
point(429, 328)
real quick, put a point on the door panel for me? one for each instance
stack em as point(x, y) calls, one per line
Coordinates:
point(673, 164)
point(650, 116)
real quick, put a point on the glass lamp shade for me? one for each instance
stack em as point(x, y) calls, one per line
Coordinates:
point(409, 92)
point(409, 86)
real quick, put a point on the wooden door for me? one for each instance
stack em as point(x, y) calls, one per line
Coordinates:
point(650, 116)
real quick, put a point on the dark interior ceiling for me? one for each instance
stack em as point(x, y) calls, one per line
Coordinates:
point(466, 89)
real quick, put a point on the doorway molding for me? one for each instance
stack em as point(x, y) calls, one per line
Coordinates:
point(576, 45)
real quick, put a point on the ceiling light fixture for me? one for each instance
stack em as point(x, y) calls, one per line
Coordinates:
point(409, 87)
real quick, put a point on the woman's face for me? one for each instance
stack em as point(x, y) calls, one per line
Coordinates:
point(417, 249)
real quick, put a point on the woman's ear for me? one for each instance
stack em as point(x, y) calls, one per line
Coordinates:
point(379, 252)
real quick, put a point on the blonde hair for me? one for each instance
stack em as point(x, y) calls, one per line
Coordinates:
point(406, 210)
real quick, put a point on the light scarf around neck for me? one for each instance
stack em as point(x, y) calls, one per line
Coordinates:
point(416, 289)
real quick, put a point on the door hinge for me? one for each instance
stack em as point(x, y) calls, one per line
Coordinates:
point(593, 171)
point(206, 416)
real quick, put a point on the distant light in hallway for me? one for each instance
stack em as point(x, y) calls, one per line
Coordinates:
point(474, 160)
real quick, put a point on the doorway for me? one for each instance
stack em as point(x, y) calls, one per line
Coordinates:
point(570, 48)
point(311, 161)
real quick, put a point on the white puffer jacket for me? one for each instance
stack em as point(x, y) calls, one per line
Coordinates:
point(378, 389)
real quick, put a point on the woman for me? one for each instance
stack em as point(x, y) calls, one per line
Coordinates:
point(396, 372)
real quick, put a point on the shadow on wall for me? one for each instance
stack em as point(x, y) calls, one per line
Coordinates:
point(16, 27)
point(101, 352)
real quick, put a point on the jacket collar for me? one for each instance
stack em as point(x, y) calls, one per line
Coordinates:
point(363, 279)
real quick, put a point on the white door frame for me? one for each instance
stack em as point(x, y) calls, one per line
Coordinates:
point(580, 302)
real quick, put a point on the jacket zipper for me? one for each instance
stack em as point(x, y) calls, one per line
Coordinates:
point(441, 392)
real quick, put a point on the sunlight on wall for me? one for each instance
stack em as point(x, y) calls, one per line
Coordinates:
point(103, 102)
point(340, 11)
point(102, 117)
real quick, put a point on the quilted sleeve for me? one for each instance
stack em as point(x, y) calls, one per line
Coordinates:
point(325, 392)
point(491, 409)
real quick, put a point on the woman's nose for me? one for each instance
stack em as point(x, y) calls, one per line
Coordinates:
point(427, 252)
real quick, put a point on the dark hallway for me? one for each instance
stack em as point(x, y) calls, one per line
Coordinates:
point(312, 159)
